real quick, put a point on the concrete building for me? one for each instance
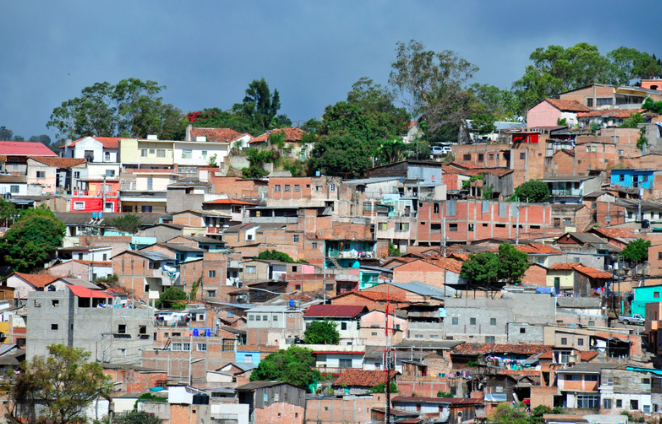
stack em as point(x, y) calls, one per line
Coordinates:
point(82, 318)
point(627, 390)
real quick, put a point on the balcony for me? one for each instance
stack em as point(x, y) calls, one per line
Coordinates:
point(334, 370)
point(87, 193)
point(350, 254)
point(567, 192)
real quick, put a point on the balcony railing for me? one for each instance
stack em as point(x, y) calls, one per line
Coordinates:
point(347, 254)
point(567, 192)
point(87, 193)
point(334, 370)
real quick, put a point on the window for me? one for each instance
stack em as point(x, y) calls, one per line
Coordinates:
point(606, 403)
point(202, 347)
point(160, 153)
point(53, 326)
point(522, 330)
point(564, 341)
point(204, 154)
point(41, 174)
point(146, 209)
point(274, 318)
point(265, 317)
point(79, 206)
point(481, 157)
point(314, 245)
point(656, 295)
point(343, 326)
point(467, 156)
point(294, 269)
point(580, 342)
point(634, 405)
point(591, 377)
point(55, 303)
point(619, 403)
point(452, 227)
point(106, 156)
point(435, 228)
point(402, 226)
point(490, 156)
point(276, 399)
point(647, 408)
point(490, 339)
point(522, 155)
point(492, 321)
point(295, 238)
point(186, 346)
point(121, 329)
point(332, 187)
point(345, 363)
point(621, 152)
point(251, 317)
point(567, 222)
point(110, 172)
point(212, 273)
point(143, 153)
point(14, 189)
point(645, 381)
point(383, 226)
point(588, 401)
point(297, 187)
point(454, 321)
point(277, 188)
point(472, 321)
point(76, 174)
point(604, 101)
point(589, 102)
point(108, 207)
point(187, 154)
point(287, 187)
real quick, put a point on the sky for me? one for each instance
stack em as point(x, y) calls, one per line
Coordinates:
point(207, 52)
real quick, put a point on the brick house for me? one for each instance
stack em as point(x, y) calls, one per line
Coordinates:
point(359, 382)
point(371, 300)
point(274, 402)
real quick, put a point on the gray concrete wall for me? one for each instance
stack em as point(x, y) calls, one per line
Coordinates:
point(94, 329)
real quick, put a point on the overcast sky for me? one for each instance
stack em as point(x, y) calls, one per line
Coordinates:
point(207, 52)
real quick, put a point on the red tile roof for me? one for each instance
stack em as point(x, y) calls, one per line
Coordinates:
point(292, 134)
point(375, 296)
point(437, 400)
point(24, 148)
point(588, 355)
point(107, 142)
point(219, 135)
point(229, 202)
point(567, 266)
point(87, 293)
point(568, 105)
point(614, 233)
point(611, 113)
point(334, 311)
point(96, 263)
point(484, 348)
point(593, 273)
point(448, 264)
point(58, 162)
point(545, 249)
point(37, 280)
point(362, 378)
point(533, 249)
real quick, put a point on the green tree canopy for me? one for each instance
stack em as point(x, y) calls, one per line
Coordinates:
point(432, 85)
point(275, 255)
point(532, 191)
point(173, 298)
point(512, 263)
point(630, 64)
point(32, 240)
point(64, 383)
point(127, 224)
point(137, 417)
point(633, 121)
point(293, 366)
point(322, 332)
point(482, 270)
point(131, 108)
point(636, 251)
point(507, 414)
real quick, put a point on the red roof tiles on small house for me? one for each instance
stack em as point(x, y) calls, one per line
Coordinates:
point(568, 105)
point(334, 311)
point(107, 142)
point(24, 148)
point(58, 162)
point(615, 233)
point(292, 135)
point(375, 296)
point(37, 280)
point(217, 135)
point(593, 273)
point(566, 266)
point(610, 113)
point(228, 202)
point(362, 378)
point(437, 400)
point(88, 293)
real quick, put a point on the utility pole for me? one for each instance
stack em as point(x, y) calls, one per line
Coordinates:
point(443, 231)
point(517, 227)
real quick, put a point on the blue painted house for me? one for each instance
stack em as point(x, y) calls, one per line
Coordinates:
point(644, 295)
point(633, 178)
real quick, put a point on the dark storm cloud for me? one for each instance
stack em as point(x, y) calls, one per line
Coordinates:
point(206, 52)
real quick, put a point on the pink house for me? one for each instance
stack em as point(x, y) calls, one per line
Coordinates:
point(548, 113)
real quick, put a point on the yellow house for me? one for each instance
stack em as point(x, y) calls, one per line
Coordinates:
point(146, 152)
point(562, 276)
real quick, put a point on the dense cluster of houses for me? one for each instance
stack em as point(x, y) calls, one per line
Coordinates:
point(388, 248)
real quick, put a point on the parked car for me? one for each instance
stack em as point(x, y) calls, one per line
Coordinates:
point(634, 319)
point(440, 150)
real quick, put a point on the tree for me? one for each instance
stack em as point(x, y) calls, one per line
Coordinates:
point(293, 366)
point(629, 64)
point(8, 213)
point(261, 107)
point(556, 70)
point(636, 251)
point(127, 224)
point(432, 84)
point(340, 155)
point(6, 134)
point(274, 255)
point(540, 410)
point(506, 414)
point(130, 108)
point(173, 298)
point(532, 191)
point(31, 241)
point(64, 383)
point(137, 417)
point(322, 332)
point(381, 388)
point(512, 263)
point(212, 161)
point(482, 270)
point(441, 394)
point(632, 121)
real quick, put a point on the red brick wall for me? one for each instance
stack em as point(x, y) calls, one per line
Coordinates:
point(280, 413)
point(535, 275)
point(543, 115)
point(236, 188)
